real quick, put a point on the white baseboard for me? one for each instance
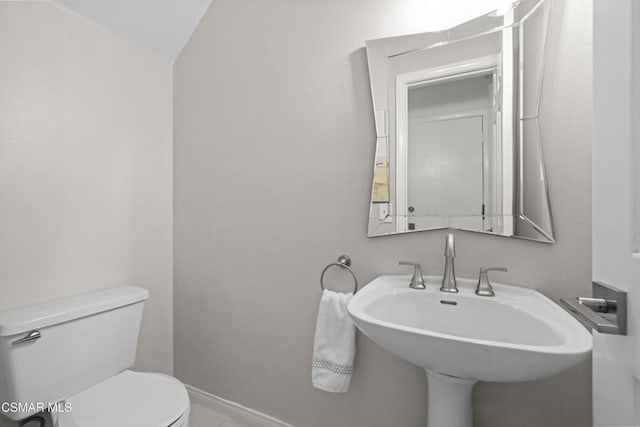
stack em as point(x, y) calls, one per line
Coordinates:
point(233, 410)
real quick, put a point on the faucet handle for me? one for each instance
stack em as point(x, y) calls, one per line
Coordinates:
point(417, 282)
point(484, 286)
point(485, 269)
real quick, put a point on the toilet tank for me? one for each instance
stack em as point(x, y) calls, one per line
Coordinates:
point(83, 340)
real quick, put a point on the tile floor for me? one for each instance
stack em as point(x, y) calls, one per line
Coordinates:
point(204, 417)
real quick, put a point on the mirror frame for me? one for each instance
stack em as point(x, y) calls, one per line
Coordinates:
point(381, 51)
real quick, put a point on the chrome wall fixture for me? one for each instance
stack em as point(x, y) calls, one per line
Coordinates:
point(344, 261)
point(606, 311)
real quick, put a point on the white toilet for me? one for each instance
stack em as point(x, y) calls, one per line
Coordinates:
point(73, 355)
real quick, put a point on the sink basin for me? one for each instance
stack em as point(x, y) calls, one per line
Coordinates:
point(518, 335)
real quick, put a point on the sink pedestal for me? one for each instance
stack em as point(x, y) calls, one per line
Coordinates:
point(449, 401)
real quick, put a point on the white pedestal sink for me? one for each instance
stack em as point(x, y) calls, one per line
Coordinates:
point(459, 339)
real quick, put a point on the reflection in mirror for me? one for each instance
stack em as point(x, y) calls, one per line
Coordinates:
point(458, 130)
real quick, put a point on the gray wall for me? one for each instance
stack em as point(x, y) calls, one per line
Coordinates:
point(85, 167)
point(273, 150)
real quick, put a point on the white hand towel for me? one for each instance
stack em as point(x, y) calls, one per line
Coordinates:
point(334, 347)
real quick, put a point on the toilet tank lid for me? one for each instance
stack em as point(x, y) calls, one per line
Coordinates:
point(24, 319)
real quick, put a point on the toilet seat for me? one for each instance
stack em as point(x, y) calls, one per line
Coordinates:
point(136, 399)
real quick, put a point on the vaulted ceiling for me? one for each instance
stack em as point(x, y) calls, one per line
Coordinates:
point(165, 26)
point(162, 26)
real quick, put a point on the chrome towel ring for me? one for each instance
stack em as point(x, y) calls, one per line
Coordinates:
point(344, 261)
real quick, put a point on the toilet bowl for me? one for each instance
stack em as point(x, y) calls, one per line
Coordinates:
point(73, 357)
point(136, 399)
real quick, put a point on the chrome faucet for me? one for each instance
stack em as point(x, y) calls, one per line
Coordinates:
point(449, 278)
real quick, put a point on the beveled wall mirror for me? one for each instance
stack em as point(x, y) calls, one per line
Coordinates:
point(457, 124)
